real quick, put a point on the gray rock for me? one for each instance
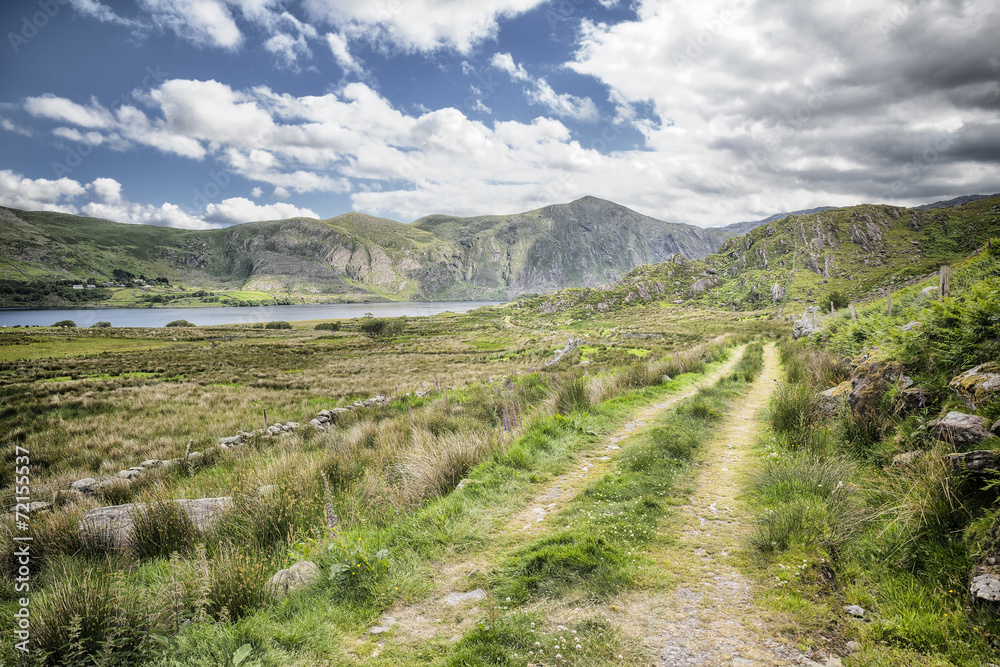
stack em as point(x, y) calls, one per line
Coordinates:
point(986, 588)
point(829, 402)
point(906, 458)
point(231, 440)
point(928, 294)
point(978, 462)
point(384, 626)
point(910, 326)
point(85, 485)
point(302, 574)
point(39, 506)
point(978, 385)
point(274, 430)
point(961, 429)
point(777, 293)
point(115, 525)
point(323, 413)
point(196, 457)
point(853, 647)
point(855, 611)
point(995, 429)
point(129, 474)
point(151, 463)
point(913, 398)
point(803, 328)
point(68, 496)
point(472, 596)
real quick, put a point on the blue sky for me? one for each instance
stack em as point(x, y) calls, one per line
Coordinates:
point(206, 113)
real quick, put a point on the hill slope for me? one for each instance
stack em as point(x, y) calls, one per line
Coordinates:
point(858, 251)
point(584, 243)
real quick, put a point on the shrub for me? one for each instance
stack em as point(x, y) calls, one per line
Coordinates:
point(378, 328)
point(179, 323)
point(65, 324)
point(277, 325)
point(101, 325)
point(837, 299)
point(327, 326)
point(238, 582)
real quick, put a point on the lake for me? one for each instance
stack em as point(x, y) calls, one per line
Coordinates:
point(158, 317)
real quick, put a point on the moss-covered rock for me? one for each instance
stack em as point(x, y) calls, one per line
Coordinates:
point(978, 385)
point(830, 401)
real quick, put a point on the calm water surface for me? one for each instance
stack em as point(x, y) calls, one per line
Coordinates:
point(158, 317)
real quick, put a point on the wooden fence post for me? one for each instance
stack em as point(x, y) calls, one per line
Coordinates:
point(944, 286)
point(854, 312)
point(888, 302)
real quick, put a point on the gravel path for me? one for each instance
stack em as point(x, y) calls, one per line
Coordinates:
point(711, 618)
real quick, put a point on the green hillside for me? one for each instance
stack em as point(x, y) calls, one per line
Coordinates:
point(799, 261)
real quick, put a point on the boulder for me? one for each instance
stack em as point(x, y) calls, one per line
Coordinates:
point(302, 574)
point(231, 440)
point(961, 429)
point(804, 327)
point(830, 401)
point(39, 506)
point(913, 398)
point(129, 474)
point(985, 588)
point(980, 462)
point(777, 293)
point(85, 485)
point(114, 525)
point(928, 294)
point(910, 326)
point(151, 463)
point(977, 385)
point(855, 610)
point(870, 381)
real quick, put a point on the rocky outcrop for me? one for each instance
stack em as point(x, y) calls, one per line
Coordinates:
point(913, 398)
point(977, 385)
point(830, 402)
point(870, 381)
point(300, 575)
point(114, 526)
point(961, 429)
point(978, 463)
point(777, 293)
point(804, 327)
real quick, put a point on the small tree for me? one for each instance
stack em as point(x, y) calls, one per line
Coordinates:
point(328, 326)
point(65, 324)
point(101, 325)
point(179, 323)
point(277, 325)
point(380, 328)
point(837, 299)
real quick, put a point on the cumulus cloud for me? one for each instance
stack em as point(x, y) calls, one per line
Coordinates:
point(816, 103)
point(420, 25)
point(540, 92)
point(240, 209)
point(29, 194)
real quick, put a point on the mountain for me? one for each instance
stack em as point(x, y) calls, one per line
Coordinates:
point(355, 256)
point(957, 201)
point(738, 228)
point(798, 261)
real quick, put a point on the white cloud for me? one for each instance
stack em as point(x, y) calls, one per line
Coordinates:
point(420, 25)
point(201, 22)
point(96, 10)
point(541, 93)
point(240, 209)
point(290, 39)
point(63, 110)
point(256, 193)
point(342, 54)
point(107, 189)
point(10, 126)
point(17, 191)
